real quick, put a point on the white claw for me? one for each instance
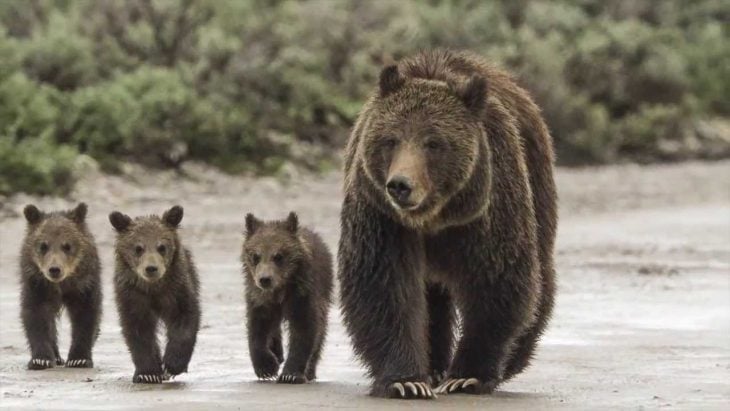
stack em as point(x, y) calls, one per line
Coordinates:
point(421, 389)
point(412, 387)
point(398, 386)
point(469, 382)
point(457, 385)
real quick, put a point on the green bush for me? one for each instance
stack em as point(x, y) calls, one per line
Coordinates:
point(35, 166)
point(249, 85)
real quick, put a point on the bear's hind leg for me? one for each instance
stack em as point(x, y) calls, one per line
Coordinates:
point(440, 330)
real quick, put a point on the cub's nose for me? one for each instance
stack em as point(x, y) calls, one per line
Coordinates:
point(150, 270)
point(55, 272)
point(399, 189)
point(265, 282)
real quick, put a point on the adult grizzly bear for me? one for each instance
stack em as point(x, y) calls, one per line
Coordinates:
point(449, 201)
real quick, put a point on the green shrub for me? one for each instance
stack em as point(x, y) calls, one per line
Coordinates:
point(36, 166)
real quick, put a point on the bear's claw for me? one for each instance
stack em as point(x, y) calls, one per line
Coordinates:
point(148, 379)
point(411, 390)
point(39, 364)
point(79, 363)
point(291, 379)
point(465, 385)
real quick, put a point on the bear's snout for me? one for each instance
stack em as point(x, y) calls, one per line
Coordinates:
point(400, 189)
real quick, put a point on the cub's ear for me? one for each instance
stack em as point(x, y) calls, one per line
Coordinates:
point(120, 222)
point(390, 80)
point(173, 216)
point(292, 223)
point(473, 93)
point(252, 224)
point(32, 214)
point(78, 214)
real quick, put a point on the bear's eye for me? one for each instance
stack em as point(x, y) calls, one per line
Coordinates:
point(255, 258)
point(161, 249)
point(433, 144)
point(43, 248)
point(66, 247)
point(139, 249)
point(390, 142)
point(278, 258)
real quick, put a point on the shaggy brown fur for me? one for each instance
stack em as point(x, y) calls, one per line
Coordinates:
point(288, 276)
point(59, 266)
point(449, 202)
point(155, 279)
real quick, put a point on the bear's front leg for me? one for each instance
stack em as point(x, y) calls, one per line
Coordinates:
point(84, 310)
point(301, 314)
point(182, 331)
point(383, 300)
point(495, 308)
point(440, 331)
point(139, 326)
point(38, 314)
point(264, 325)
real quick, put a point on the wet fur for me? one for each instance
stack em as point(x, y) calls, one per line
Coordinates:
point(173, 299)
point(303, 299)
point(80, 292)
point(483, 245)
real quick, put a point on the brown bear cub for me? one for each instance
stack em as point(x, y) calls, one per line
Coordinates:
point(288, 276)
point(155, 279)
point(449, 204)
point(59, 267)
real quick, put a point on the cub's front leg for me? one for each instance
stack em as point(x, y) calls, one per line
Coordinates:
point(263, 323)
point(139, 326)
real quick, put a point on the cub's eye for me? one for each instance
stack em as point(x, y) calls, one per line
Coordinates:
point(255, 258)
point(66, 247)
point(278, 258)
point(390, 142)
point(139, 250)
point(161, 249)
point(43, 248)
point(433, 144)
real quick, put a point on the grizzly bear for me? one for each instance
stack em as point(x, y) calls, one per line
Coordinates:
point(155, 279)
point(288, 276)
point(59, 267)
point(449, 204)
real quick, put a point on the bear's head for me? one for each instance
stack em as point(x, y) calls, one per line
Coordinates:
point(57, 242)
point(272, 251)
point(148, 245)
point(421, 142)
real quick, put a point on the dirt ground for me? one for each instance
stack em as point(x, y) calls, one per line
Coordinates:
point(642, 317)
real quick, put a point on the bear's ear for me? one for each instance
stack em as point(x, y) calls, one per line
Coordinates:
point(252, 224)
point(120, 222)
point(390, 80)
point(473, 93)
point(78, 214)
point(173, 216)
point(32, 214)
point(292, 223)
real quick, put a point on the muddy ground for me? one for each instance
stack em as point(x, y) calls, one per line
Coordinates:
point(642, 317)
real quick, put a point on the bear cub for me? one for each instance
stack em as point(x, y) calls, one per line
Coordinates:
point(155, 279)
point(59, 267)
point(288, 276)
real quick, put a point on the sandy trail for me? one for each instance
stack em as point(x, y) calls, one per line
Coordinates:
point(642, 316)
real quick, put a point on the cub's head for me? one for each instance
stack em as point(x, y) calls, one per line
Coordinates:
point(147, 245)
point(421, 143)
point(272, 251)
point(57, 242)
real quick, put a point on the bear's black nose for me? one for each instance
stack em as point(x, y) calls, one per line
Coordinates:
point(265, 282)
point(55, 272)
point(151, 269)
point(399, 188)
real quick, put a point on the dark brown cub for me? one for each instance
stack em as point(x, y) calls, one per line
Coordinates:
point(288, 276)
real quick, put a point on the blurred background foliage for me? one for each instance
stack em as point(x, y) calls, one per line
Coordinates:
point(249, 85)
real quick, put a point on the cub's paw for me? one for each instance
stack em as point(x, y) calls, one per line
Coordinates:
point(149, 378)
point(405, 389)
point(265, 365)
point(453, 385)
point(40, 363)
point(292, 378)
point(171, 369)
point(80, 363)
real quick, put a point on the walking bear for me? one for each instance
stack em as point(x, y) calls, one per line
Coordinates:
point(59, 266)
point(288, 276)
point(449, 202)
point(155, 279)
